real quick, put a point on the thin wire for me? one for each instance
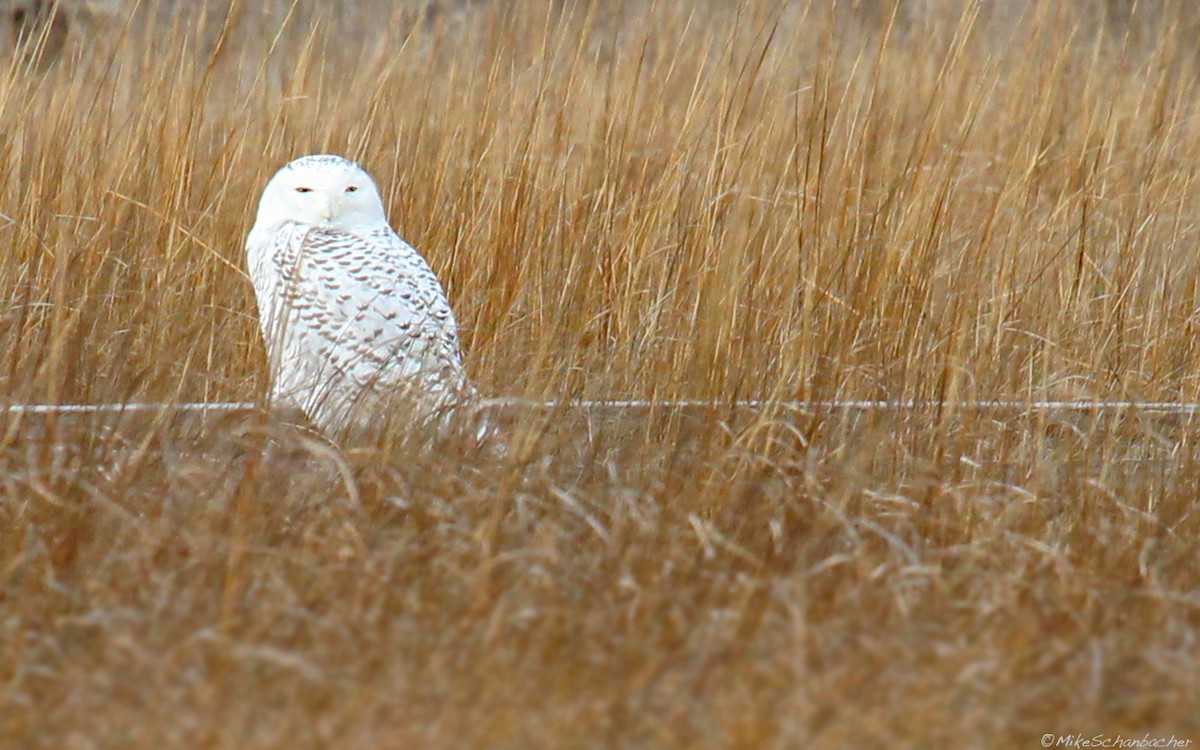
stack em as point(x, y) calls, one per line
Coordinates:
point(864, 405)
point(1164, 407)
point(127, 407)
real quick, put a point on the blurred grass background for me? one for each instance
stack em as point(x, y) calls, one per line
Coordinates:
point(937, 200)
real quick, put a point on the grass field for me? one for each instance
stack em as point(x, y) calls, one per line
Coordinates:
point(714, 201)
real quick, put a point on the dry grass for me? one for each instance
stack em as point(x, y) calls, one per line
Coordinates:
point(706, 201)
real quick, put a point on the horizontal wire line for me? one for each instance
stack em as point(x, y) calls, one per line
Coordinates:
point(1168, 407)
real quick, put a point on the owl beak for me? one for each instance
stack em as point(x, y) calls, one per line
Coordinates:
point(326, 211)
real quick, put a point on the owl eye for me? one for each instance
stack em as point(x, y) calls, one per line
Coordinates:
point(352, 188)
point(303, 190)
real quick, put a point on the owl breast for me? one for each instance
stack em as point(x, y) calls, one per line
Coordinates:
point(352, 321)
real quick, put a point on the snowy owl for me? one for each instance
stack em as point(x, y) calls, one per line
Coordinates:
point(352, 315)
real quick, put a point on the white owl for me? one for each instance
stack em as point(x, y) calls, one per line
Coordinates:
point(352, 315)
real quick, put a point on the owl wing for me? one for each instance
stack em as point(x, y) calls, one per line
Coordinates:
point(355, 311)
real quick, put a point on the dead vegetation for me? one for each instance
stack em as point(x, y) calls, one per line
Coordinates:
point(712, 201)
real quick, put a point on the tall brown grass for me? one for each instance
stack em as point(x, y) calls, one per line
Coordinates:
point(634, 200)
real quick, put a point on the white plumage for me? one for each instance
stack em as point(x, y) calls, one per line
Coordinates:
point(352, 315)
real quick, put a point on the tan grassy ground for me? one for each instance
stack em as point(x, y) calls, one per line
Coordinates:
point(681, 201)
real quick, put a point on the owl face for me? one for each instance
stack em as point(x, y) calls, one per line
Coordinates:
point(322, 191)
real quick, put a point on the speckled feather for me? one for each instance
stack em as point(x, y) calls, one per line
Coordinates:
point(352, 315)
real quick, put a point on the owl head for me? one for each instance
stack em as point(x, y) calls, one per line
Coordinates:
point(322, 190)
